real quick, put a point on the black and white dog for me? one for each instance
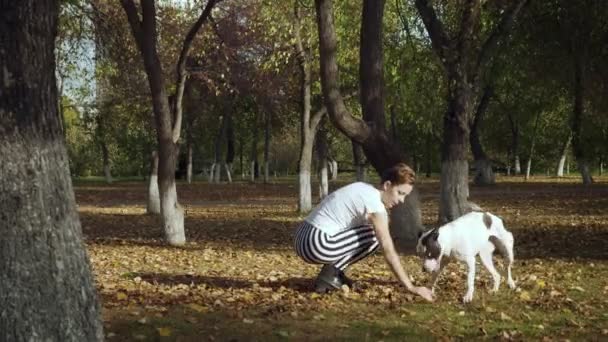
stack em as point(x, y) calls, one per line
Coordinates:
point(471, 234)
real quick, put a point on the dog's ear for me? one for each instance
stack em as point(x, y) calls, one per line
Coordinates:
point(420, 234)
point(434, 235)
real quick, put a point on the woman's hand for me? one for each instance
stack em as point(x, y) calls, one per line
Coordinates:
point(424, 292)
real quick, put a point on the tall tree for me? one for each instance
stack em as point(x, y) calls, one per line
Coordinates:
point(48, 292)
point(483, 167)
point(465, 58)
point(168, 118)
point(370, 131)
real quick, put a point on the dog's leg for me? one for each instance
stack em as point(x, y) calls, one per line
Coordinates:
point(486, 259)
point(470, 260)
point(510, 258)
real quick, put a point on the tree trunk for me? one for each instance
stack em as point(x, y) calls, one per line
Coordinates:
point(393, 124)
point(322, 162)
point(168, 118)
point(219, 141)
point(532, 143)
point(153, 206)
point(267, 117)
point(241, 148)
point(429, 154)
point(454, 186)
point(47, 292)
point(601, 166)
point(189, 167)
point(106, 162)
point(483, 167)
point(229, 146)
point(254, 150)
point(334, 169)
point(577, 118)
point(563, 154)
point(358, 161)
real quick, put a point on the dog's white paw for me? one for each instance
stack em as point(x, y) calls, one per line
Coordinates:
point(468, 297)
point(511, 284)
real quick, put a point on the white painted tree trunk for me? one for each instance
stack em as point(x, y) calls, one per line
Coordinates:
point(334, 169)
point(517, 166)
point(153, 206)
point(189, 168)
point(583, 168)
point(217, 173)
point(562, 160)
point(211, 173)
point(483, 172)
point(560, 166)
point(228, 168)
point(107, 173)
point(528, 167)
point(305, 193)
point(323, 181)
point(173, 217)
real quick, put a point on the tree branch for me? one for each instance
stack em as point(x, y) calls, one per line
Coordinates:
point(434, 27)
point(353, 127)
point(181, 68)
point(134, 21)
point(490, 45)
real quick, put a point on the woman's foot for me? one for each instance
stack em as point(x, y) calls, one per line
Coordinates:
point(346, 280)
point(329, 279)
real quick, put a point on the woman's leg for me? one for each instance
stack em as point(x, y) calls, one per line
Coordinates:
point(340, 250)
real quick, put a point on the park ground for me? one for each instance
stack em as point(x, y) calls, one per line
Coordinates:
point(237, 278)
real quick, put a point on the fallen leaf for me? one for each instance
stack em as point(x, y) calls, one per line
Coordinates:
point(525, 296)
point(164, 331)
point(247, 321)
point(505, 317)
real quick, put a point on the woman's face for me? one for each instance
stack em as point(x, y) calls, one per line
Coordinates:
point(394, 194)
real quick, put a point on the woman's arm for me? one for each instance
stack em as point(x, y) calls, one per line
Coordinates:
point(383, 235)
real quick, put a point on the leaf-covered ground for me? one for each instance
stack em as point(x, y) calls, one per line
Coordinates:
point(238, 279)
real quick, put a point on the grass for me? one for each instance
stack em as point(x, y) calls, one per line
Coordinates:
point(238, 279)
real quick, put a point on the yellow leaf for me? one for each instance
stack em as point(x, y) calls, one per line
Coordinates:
point(541, 284)
point(164, 331)
point(121, 296)
point(525, 296)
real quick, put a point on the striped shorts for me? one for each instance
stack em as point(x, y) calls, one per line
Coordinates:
point(340, 250)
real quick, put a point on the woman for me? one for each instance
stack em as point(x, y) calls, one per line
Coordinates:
point(350, 224)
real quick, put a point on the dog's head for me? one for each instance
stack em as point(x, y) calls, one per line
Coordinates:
point(429, 249)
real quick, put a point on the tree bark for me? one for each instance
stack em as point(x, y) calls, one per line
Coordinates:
point(153, 206)
point(47, 292)
point(189, 166)
point(483, 167)
point(219, 141)
point(229, 146)
point(358, 161)
point(322, 162)
point(563, 154)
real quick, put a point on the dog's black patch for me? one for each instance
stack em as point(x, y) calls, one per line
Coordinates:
point(500, 247)
point(487, 220)
point(432, 249)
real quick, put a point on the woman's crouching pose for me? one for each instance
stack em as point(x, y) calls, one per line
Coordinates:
point(350, 224)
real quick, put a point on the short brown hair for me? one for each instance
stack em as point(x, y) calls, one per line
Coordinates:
point(399, 174)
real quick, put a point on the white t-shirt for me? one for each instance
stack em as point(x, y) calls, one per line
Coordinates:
point(346, 207)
